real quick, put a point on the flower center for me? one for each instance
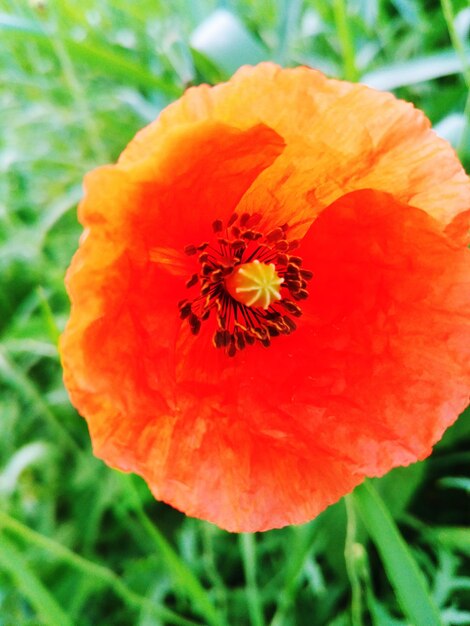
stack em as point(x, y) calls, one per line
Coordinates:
point(249, 281)
point(254, 284)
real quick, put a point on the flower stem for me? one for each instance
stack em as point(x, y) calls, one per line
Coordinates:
point(403, 573)
point(459, 48)
point(346, 40)
point(248, 550)
point(457, 43)
point(351, 566)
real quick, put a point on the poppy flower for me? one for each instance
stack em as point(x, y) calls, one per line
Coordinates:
point(271, 299)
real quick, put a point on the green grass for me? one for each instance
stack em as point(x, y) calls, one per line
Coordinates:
point(83, 545)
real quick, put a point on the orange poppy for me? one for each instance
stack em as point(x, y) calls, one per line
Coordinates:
point(270, 300)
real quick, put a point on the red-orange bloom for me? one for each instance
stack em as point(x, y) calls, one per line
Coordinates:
point(271, 297)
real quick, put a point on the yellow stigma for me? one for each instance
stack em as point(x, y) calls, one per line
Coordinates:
point(255, 284)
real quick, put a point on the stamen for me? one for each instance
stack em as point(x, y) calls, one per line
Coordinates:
point(239, 283)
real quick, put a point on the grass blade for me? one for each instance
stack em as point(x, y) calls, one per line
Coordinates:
point(100, 574)
point(402, 571)
point(181, 573)
point(343, 28)
point(289, 18)
point(457, 43)
point(103, 58)
point(38, 596)
point(418, 70)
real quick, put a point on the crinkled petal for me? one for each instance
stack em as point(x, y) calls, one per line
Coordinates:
point(389, 324)
point(376, 370)
point(127, 277)
point(339, 137)
point(379, 364)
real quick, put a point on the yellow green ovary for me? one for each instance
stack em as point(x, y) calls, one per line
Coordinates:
point(255, 284)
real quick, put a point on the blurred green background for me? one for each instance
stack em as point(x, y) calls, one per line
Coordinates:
point(81, 544)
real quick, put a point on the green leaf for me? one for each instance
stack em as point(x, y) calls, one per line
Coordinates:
point(453, 538)
point(454, 616)
point(25, 457)
point(289, 15)
point(458, 482)
point(418, 70)
point(409, 10)
point(178, 54)
point(225, 41)
point(401, 568)
point(451, 128)
point(398, 487)
point(18, 25)
point(111, 63)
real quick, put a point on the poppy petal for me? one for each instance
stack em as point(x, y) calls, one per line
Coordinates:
point(209, 165)
point(378, 365)
point(389, 314)
point(375, 372)
point(343, 137)
point(137, 225)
